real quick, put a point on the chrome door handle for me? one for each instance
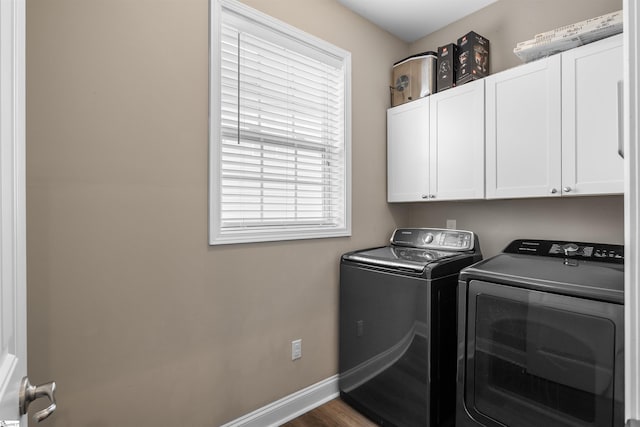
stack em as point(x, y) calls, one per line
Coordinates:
point(553, 191)
point(567, 189)
point(29, 393)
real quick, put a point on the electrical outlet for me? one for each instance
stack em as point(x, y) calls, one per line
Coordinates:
point(451, 224)
point(360, 328)
point(296, 349)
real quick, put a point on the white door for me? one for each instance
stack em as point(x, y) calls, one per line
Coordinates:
point(408, 151)
point(15, 391)
point(590, 119)
point(457, 143)
point(523, 127)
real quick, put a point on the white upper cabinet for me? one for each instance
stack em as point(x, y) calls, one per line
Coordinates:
point(456, 166)
point(548, 128)
point(408, 151)
point(553, 125)
point(590, 126)
point(435, 146)
point(523, 130)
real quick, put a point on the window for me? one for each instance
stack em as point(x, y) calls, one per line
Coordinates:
point(280, 130)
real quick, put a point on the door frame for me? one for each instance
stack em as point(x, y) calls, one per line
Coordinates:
point(13, 328)
point(631, 97)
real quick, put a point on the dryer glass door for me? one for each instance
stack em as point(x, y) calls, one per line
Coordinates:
point(541, 359)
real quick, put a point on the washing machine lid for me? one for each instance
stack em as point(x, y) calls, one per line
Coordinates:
point(414, 259)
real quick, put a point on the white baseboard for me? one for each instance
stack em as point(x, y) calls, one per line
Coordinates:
point(290, 407)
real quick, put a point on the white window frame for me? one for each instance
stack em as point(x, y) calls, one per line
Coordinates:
point(217, 235)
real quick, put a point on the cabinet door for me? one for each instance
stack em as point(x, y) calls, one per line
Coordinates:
point(408, 151)
point(457, 143)
point(590, 160)
point(523, 131)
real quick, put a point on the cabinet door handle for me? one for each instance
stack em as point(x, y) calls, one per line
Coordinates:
point(425, 196)
point(567, 189)
point(620, 119)
point(554, 191)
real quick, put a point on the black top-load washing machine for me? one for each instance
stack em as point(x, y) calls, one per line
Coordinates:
point(397, 350)
point(541, 337)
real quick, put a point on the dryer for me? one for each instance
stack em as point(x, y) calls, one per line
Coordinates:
point(541, 337)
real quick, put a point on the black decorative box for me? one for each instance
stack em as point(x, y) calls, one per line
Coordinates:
point(446, 67)
point(473, 58)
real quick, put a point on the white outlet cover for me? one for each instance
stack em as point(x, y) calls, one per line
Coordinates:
point(296, 349)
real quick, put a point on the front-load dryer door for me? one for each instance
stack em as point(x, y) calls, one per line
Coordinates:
point(542, 359)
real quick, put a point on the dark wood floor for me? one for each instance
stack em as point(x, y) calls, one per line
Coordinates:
point(334, 413)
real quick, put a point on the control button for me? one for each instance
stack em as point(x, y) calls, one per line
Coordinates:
point(428, 238)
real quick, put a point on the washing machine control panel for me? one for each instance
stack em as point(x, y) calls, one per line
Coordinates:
point(573, 250)
point(434, 238)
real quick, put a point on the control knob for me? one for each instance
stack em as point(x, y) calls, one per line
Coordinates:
point(428, 238)
point(570, 249)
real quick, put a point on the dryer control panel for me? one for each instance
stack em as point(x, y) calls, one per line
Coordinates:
point(561, 249)
point(434, 238)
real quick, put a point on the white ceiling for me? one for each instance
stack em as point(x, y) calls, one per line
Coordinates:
point(411, 20)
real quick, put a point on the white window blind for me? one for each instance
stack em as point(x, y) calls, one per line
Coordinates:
point(280, 151)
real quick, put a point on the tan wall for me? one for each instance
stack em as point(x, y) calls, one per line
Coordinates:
point(498, 222)
point(139, 321)
point(507, 22)
point(598, 219)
